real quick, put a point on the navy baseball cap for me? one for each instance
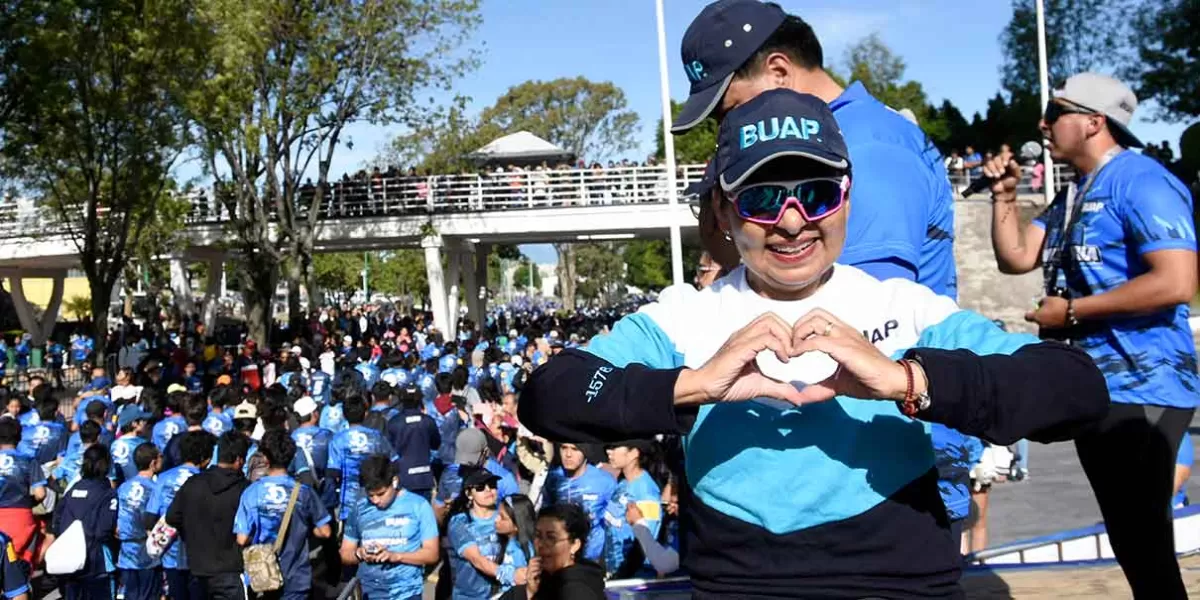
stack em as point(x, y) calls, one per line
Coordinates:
point(718, 42)
point(778, 123)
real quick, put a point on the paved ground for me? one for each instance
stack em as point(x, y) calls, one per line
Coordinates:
point(1055, 497)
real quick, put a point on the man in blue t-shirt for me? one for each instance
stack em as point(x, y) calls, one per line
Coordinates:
point(21, 486)
point(260, 515)
point(196, 449)
point(972, 163)
point(392, 532)
point(586, 485)
point(1117, 250)
point(320, 387)
point(46, 440)
point(81, 348)
point(902, 222)
point(140, 575)
point(349, 448)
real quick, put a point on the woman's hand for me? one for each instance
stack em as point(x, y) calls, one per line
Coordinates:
point(633, 514)
point(533, 577)
point(863, 371)
point(731, 374)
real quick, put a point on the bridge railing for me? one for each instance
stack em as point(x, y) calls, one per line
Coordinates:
point(375, 195)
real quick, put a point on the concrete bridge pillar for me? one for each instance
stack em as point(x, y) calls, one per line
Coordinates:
point(42, 328)
point(477, 283)
point(432, 244)
point(213, 290)
point(181, 288)
point(454, 262)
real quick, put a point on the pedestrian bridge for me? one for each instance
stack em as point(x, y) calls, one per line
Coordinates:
point(379, 212)
point(460, 214)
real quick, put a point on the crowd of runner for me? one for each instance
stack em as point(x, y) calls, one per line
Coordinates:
point(411, 462)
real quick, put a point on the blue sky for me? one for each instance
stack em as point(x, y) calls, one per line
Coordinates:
point(950, 46)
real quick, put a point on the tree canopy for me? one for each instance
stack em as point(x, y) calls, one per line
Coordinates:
point(591, 119)
point(287, 78)
point(1167, 68)
point(93, 94)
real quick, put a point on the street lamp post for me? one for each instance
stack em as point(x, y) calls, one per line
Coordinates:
point(1048, 179)
point(669, 147)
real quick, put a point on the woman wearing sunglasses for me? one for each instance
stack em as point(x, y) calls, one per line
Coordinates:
point(474, 543)
point(806, 387)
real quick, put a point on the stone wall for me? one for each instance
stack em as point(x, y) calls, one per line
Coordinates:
point(981, 285)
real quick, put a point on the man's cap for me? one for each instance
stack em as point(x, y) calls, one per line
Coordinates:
point(245, 410)
point(1107, 96)
point(719, 41)
point(478, 476)
point(775, 124)
point(130, 413)
point(347, 338)
point(304, 406)
point(469, 446)
point(175, 387)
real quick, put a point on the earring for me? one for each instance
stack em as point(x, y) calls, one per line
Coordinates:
point(728, 238)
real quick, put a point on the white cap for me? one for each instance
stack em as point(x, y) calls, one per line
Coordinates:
point(1107, 96)
point(297, 350)
point(517, 360)
point(304, 406)
point(305, 364)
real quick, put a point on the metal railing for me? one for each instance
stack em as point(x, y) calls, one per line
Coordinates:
point(374, 195)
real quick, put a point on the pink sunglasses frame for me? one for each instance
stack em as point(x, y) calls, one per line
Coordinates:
point(791, 200)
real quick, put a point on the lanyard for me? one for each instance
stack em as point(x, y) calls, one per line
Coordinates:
point(1075, 198)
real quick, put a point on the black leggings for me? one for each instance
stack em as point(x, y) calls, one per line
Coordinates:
point(1130, 462)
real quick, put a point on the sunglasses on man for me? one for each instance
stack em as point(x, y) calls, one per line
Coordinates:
point(1055, 110)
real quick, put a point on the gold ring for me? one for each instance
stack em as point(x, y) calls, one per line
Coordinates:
point(828, 328)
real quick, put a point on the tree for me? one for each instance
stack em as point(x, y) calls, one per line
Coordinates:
point(648, 264)
point(526, 272)
point(441, 143)
point(161, 236)
point(873, 64)
point(289, 76)
point(601, 272)
point(338, 271)
point(590, 119)
point(402, 273)
point(698, 145)
point(101, 121)
point(1167, 39)
point(1081, 35)
point(77, 307)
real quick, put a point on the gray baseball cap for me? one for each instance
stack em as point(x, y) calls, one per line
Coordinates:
point(1107, 96)
point(469, 446)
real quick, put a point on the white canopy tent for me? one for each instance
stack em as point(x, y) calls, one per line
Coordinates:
point(521, 147)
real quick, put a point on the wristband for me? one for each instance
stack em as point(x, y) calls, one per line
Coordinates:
point(1071, 320)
